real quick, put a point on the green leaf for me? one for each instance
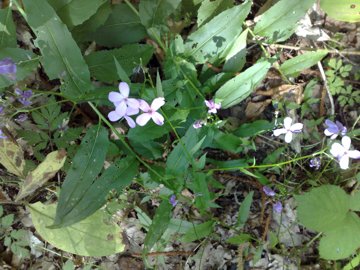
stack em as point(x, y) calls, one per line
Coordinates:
point(345, 10)
point(155, 12)
point(239, 239)
point(207, 43)
point(302, 62)
point(85, 167)
point(237, 89)
point(12, 157)
point(125, 23)
point(236, 57)
point(323, 208)
point(210, 8)
point(341, 241)
point(158, 226)
point(75, 12)
point(280, 21)
point(198, 232)
point(61, 56)
point(47, 169)
point(26, 62)
point(7, 29)
point(93, 236)
point(102, 65)
point(244, 209)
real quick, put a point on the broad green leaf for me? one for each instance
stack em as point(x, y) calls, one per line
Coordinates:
point(323, 208)
point(12, 157)
point(125, 23)
point(158, 225)
point(85, 167)
point(302, 62)
point(244, 209)
point(93, 236)
point(344, 10)
point(47, 169)
point(75, 12)
point(240, 87)
point(211, 39)
point(155, 12)
point(102, 65)
point(235, 58)
point(61, 57)
point(7, 29)
point(342, 241)
point(355, 201)
point(211, 8)
point(198, 232)
point(280, 21)
point(26, 62)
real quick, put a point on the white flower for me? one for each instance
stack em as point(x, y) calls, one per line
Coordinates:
point(288, 129)
point(342, 152)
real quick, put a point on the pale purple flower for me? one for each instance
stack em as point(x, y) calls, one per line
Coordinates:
point(173, 200)
point(315, 163)
point(213, 107)
point(198, 124)
point(268, 191)
point(343, 153)
point(8, 67)
point(150, 112)
point(278, 207)
point(2, 136)
point(122, 101)
point(334, 129)
point(288, 129)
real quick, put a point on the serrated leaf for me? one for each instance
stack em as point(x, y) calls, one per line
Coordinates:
point(158, 226)
point(85, 167)
point(75, 12)
point(210, 8)
point(26, 62)
point(125, 23)
point(280, 21)
point(92, 236)
point(343, 240)
point(345, 10)
point(7, 29)
point(240, 87)
point(198, 232)
point(12, 157)
point(102, 65)
point(47, 169)
point(302, 62)
point(323, 208)
point(61, 57)
point(155, 12)
point(211, 39)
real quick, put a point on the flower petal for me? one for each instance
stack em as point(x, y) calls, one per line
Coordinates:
point(157, 103)
point(124, 89)
point(130, 121)
point(115, 97)
point(287, 122)
point(121, 109)
point(337, 150)
point(144, 106)
point(355, 154)
point(278, 132)
point(296, 127)
point(157, 118)
point(142, 119)
point(344, 162)
point(113, 116)
point(288, 136)
point(346, 142)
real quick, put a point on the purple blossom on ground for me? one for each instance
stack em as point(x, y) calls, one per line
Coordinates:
point(198, 124)
point(213, 107)
point(288, 129)
point(315, 163)
point(268, 191)
point(278, 207)
point(8, 67)
point(150, 112)
point(343, 153)
point(122, 102)
point(173, 200)
point(334, 129)
point(2, 135)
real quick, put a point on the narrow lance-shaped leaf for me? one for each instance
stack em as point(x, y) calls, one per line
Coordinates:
point(61, 57)
point(86, 165)
point(12, 157)
point(47, 169)
point(7, 29)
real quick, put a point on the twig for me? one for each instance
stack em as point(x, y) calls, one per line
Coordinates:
point(332, 109)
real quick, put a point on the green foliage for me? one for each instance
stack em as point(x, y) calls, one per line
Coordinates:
point(346, 10)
